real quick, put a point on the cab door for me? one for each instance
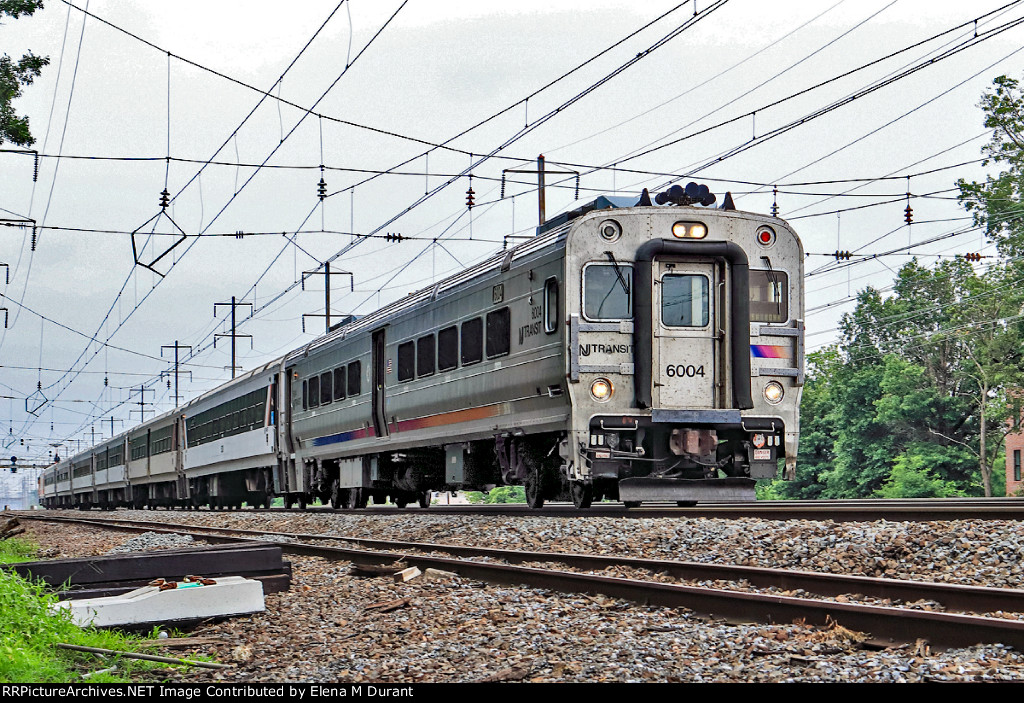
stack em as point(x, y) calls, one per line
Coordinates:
point(685, 321)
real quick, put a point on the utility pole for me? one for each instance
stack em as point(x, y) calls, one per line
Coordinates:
point(142, 403)
point(234, 335)
point(177, 347)
point(326, 273)
point(112, 426)
point(541, 172)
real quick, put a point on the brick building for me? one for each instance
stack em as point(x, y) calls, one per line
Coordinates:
point(1014, 452)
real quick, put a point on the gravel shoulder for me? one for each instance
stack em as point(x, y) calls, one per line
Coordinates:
point(451, 629)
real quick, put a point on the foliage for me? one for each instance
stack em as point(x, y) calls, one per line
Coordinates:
point(506, 494)
point(30, 630)
point(13, 551)
point(915, 398)
point(995, 203)
point(474, 496)
point(912, 476)
point(16, 74)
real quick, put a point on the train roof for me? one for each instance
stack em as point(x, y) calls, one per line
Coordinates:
point(551, 231)
point(375, 318)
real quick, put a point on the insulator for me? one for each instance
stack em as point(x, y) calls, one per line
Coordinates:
point(502, 186)
point(775, 202)
point(35, 169)
point(972, 256)
point(841, 255)
point(469, 197)
point(321, 188)
point(239, 234)
point(577, 186)
point(908, 215)
point(168, 384)
point(106, 380)
point(35, 238)
point(165, 199)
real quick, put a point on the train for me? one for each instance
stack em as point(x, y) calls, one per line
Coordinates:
point(635, 350)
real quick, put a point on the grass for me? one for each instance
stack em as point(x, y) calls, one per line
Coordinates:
point(13, 551)
point(30, 630)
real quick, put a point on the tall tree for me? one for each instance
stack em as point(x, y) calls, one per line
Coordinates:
point(993, 354)
point(995, 203)
point(16, 74)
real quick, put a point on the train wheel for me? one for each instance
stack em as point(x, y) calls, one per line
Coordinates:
point(534, 490)
point(302, 501)
point(289, 501)
point(582, 494)
point(336, 494)
point(424, 499)
point(402, 500)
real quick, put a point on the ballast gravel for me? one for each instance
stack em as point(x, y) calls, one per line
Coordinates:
point(153, 540)
point(335, 627)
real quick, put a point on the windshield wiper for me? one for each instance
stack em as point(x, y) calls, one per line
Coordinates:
point(618, 274)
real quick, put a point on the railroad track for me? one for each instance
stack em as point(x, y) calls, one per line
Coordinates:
point(859, 510)
point(886, 624)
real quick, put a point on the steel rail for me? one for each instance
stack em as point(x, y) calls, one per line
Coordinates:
point(834, 511)
point(887, 625)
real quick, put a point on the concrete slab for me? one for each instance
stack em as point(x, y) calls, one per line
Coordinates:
point(229, 595)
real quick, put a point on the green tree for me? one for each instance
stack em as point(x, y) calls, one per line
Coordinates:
point(16, 74)
point(911, 477)
point(995, 203)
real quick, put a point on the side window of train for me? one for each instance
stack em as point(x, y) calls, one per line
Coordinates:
point(314, 391)
point(305, 395)
point(551, 305)
point(425, 356)
point(339, 383)
point(498, 333)
point(448, 348)
point(354, 378)
point(406, 362)
point(607, 291)
point(769, 296)
point(472, 341)
point(325, 388)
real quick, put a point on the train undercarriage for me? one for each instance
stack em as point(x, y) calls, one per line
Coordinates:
point(624, 458)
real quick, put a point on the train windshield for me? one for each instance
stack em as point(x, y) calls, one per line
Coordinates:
point(608, 291)
point(769, 296)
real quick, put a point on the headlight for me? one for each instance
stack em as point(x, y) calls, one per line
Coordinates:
point(689, 230)
point(773, 392)
point(610, 230)
point(601, 389)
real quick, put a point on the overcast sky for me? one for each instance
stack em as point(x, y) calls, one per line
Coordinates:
point(431, 72)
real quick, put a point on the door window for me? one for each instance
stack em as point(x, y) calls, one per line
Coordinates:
point(684, 300)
